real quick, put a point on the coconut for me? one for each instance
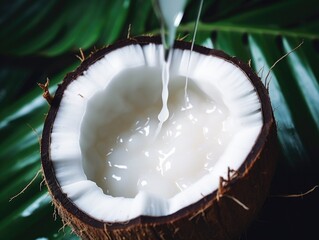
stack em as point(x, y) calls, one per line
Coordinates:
point(94, 171)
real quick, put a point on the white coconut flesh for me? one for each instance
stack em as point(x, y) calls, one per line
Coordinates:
point(104, 151)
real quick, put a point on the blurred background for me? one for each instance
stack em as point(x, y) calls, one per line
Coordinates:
point(40, 39)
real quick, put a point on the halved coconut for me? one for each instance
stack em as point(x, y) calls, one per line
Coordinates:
point(203, 177)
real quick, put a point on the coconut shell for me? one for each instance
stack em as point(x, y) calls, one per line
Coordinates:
point(223, 214)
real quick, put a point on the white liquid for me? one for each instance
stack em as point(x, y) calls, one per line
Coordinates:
point(164, 113)
point(185, 150)
point(187, 102)
point(170, 14)
point(129, 160)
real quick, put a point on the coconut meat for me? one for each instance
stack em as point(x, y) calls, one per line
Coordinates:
point(105, 155)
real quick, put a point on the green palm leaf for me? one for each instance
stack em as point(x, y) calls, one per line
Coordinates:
point(40, 39)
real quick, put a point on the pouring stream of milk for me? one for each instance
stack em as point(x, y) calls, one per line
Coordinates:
point(170, 14)
point(187, 102)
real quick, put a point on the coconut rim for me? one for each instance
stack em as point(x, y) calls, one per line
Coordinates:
point(48, 168)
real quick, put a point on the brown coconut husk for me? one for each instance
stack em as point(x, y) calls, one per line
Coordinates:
point(223, 214)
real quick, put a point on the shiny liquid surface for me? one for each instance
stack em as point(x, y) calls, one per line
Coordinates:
point(130, 159)
point(187, 148)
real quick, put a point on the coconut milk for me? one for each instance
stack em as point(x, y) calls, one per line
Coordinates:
point(129, 160)
point(170, 14)
point(186, 149)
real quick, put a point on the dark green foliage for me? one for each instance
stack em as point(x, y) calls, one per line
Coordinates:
point(40, 39)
